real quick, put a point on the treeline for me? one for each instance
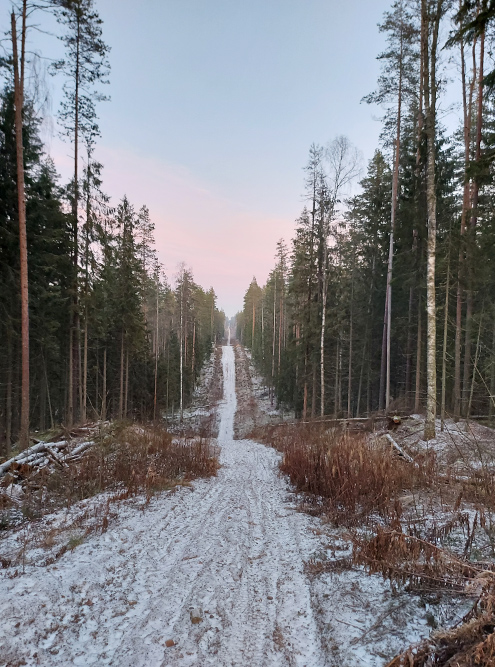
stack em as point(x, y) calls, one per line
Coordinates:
point(89, 325)
point(386, 299)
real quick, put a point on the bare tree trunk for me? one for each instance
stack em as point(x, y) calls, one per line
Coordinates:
point(475, 368)
point(48, 392)
point(8, 398)
point(254, 320)
point(491, 405)
point(97, 382)
point(121, 393)
point(419, 344)
point(280, 327)
point(85, 369)
point(395, 189)
point(361, 373)
point(181, 353)
point(322, 336)
point(445, 338)
point(467, 113)
point(430, 90)
point(104, 387)
point(313, 395)
point(383, 364)
point(336, 386)
point(472, 224)
point(349, 374)
point(21, 199)
point(156, 353)
point(273, 340)
point(193, 356)
point(409, 345)
point(126, 394)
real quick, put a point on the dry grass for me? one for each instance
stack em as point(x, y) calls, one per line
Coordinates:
point(352, 478)
point(359, 483)
point(126, 460)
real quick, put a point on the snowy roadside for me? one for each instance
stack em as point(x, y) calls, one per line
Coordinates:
point(212, 574)
point(202, 415)
point(220, 572)
point(363, 619)
point(257, 408)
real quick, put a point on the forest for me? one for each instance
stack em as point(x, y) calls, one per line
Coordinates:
point(90, 326)
point(385, 300)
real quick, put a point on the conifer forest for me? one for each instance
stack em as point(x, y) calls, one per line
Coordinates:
point(308, 481)
point(90, 325)
point(384, 299)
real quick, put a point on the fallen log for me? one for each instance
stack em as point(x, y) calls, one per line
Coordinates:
point(399, 449)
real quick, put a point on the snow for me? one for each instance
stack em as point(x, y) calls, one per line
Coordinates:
point(231, 548)
point(210, 574)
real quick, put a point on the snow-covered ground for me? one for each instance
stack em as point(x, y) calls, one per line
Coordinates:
point(206, 576)
point(211, 574)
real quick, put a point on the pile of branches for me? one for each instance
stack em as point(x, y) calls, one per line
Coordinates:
point(470, 644)
point(418, 563)
point(58, 451)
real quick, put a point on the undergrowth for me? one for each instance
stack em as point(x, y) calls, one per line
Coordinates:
point(126, 460)
point(425, 544)
point(353, 480)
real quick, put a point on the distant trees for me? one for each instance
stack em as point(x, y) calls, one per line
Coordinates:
point(421, 226)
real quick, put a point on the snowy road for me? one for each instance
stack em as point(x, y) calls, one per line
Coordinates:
point(230, 552)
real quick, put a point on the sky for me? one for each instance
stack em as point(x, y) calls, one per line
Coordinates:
point(214, 105)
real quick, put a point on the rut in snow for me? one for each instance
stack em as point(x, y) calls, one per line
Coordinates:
point(230, 553)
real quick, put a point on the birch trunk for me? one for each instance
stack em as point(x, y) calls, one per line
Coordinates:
point(430, 90)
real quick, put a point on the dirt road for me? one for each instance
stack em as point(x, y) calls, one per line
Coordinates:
point(217, 570)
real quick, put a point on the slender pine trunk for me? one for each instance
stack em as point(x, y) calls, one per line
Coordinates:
point(21, 203)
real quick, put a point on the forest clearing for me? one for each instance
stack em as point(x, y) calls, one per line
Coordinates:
point(237, 568)
point(296, 466)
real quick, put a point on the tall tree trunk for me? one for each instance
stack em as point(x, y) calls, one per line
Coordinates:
point(475, 368)
point(472, 230)
point(21, 200)
point(349, 374)
point(193, 356)
point(467, 115)
point(409, 345)
point(8, 397)
point(181, 352)
point(273, 339)
point(104, 387)
point(445, 338)
point(322, 336)
point(313, 394)
point(126, 393)
point(121, 393)
point(336, 386)
point(430, 92)
point(383, 364)
point(156, 352)
point(395, 189)
point(491, 410)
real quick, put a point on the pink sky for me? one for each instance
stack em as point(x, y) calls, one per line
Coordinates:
point(223, 243)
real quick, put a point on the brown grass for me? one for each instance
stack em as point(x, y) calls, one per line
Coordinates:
point(126, 460)
point(353, 477)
